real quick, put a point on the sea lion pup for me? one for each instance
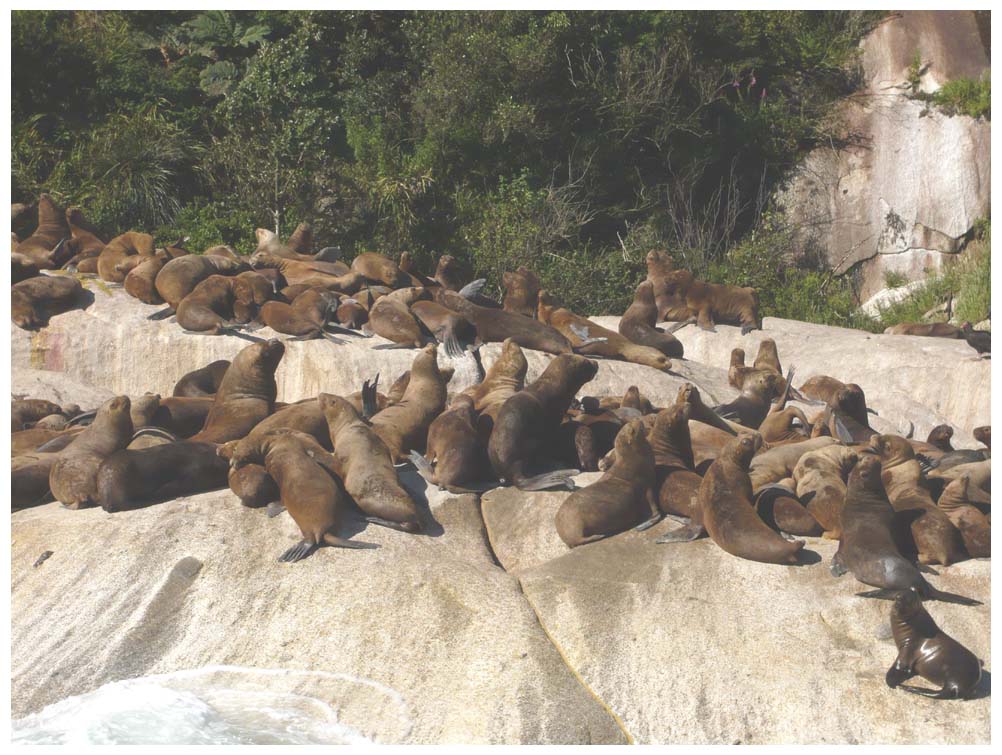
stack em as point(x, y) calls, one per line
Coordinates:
point(983, 435)
point(451, 330)
point(926, 650)
point(299, 246)
point(392, 319)
point(448, 274)
point(34, 301)
point(751, 407)
point(669, 304)
point(181, 417)
point(377, 268)
point(709, 303)
point(639, 320)
point(246, 394)
point(928, 329)
point(73, 478)
point(208, 309)
point(363, 463)
point(131, 477)
point(204, 381)
point(936, 539)
point(179, 277)
point(820, 483)
point(25, 412)
point(403, 427)
point(521, 289)
point(251, 291)
point(46, 246)
point(496, 325)
point(328, 275)
point(307, 317)
point(123, 253)
point(868, 549)
point(623, 497)
point(504, 379)
point(590, 339)
point(528, 420)
point(456, 457)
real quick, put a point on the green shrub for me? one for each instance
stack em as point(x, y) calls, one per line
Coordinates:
point(209, 224)
point(894, 280)
point(965, 96)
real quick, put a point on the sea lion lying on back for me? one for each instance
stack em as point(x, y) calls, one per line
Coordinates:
point(378, 268)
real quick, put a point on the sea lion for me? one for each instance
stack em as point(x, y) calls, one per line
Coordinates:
point(414, 276)
point(983, 435)
point(251, 291)
point(122, 254)
point(975, 528)
point(778, 463)
point(633, 399)
point(182, 417)
point(179, 277)
point(504, 379)
point(307, 317)
point(447, 273)
point(678, 482)
point(22, 268)
point(638, 323)
point(298, 247)
point(451, 330)
point(351, 314)
point(392, 319)
point(927, 329)
point(130, 477)
point(751, 407)
point(208, 309)
point(940, 437)
point(623, 497)
point(926, 650)
point(35, 300)
point(377, 268)
point(363, 463)
point(847, 398)
point(24, 413)
point(496, 325)
point(767, 357)
point(590, 339)
point(709, 303)
point(26, 442)
point(979, 340)
point(141, 280)
point(84, 243)
point(403, 427)
point(246, 393)
point(304, 417)
point(670, 305)
point(936, 539)
point(46, 246)
point(456, 455)
point(820, 483)
point(327, 275)
point(868, 548)
point(781, 426)
point(527, 421)
point(203, 381)
point(73, 477)
point(521, 292)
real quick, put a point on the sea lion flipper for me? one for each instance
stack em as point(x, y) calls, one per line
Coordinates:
point(882, 594)
point(399, 526)
point(948, 597)
point(681, 324)
point(473, 288)
point(333, 339)
point(837, 567)
point(298, 552)
point(423, 466)
point(649, 523)
point(369, 398)
point(897, 673)
point(841, 430)
point(560, 478)
point(163, 314)
point(275, 508)
point(335, 328)
point(82, 418)
point(339, 542)
point(452, 347)
point(153, 430)
point(941, 694)
point(683, 535)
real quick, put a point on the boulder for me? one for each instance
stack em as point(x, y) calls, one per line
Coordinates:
point(888, 296)
point(425, 640)
point(57, 387)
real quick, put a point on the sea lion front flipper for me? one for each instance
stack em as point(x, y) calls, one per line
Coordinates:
point(298, 552)
point(452, 347)
point(332, 338)
point(897, 673)
point(423, 466)
point(656, 515)
point(838, 568)
point(275, 508)
point(560, 478)
point(683, 535)
point(942, 694)
point(681, 324)
point(82, 418)
point(163, 314)
point(931, 593)
point(335, 328)
point(472, 288)
point(328, 254)
point(399, 526)
point(882, 594)
point(339, 542)
point(748, 327)
point(369, 398)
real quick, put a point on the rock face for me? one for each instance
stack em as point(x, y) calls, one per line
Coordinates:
point(902, 197)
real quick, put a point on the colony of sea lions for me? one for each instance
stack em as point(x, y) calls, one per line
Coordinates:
point(752, 475)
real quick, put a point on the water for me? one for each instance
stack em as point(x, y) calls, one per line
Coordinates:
point(217, 705)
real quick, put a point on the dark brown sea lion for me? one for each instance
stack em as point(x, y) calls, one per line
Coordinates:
point(131, 477)
point(179, 277)
point(496, 325)
point(403, 427)
point(452, 330)
point(246, 394)
point(305, 417)
point(22, 268)
point(868, 548)
point(622, 498)
point(180, 416)
point(639, 320)
point(456, 455)
point(528, 420)
point(940, 437)
point(936, 539)
point(73, 478)
point(983, 434)
point(84, 242)
point(35, 300)
point(521, 291)
point(123, 253)
point(204, 381)
point(364, 465)
point(593, 340)
point(709, 303)
point(928, 329)
point(820, 483)
point(670, 305)
point(307, 316)
point(208, 309)
point(926, 650)
point(392, 319)
point(448, 273)
point(25, 412)
point(46, 246)
point(377, 268)
point(751, 407)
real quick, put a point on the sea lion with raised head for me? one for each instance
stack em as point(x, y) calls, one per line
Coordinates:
point(35, 300)
point(677, 479)
point(377, 268)
point(521, 291)
point(448, 274)
point(751, 407)
point(84, 243)
point(926, 650)
point(670, 305)
point(639, 321)
point(983, 435)
point(46, 247)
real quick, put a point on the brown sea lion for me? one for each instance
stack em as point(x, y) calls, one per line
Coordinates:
point(782, 426)
point(751, 407)
point(584, 336)
point(305, 417)
point(936, 539)
point(323, 274)
point(940, 437)
point(403, 427)
point(767, 357)
point(847, 398)
point(820, 483)
point(521, 291)
point(179, 277)
point(504, 379)
point(709, 303)
point(778, 463)
point(251, 291)
point(926, 650)
point(123, 253)
point(307, 316)
point(208, 309)
point(22, 268)
point(622, 498)
point(299, 247)
point(131, 477)
point(633, 399)
point(377, 268)
point(141, 280)
point(203, 381)
point(868, 548)
point(46, 247)
point(25, 442)
point(452, 330)
point(414, 277)
point(677, 479)
point(182, 417)
point(73, 477)
point(928, 329)
point(246, 394)
point(84, 242)
point(496, 325)
point(364, 465)
point(975, 528)
point(983, 435)
point(35, 300)
point(25, 412)
point(528, 420)
point(456, 455)
point(448, 273)
point(392, 319)
point(639, 320)
point(670, 305)
point(351, 314)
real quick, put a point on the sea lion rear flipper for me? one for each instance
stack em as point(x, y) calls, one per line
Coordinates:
point(473, 288)
point(931, 593)
point(681, 324)
point(369, 398)
point(683, 535)
point(328, 254)
point(394, 346)
point(942, 694)
point(883, 594)
point(560, 478)
point(82, 418)
point(423, 466)
point(339, 542)
point(841, 430)
point(335, 328)
point(399, 526)
point(238, 334)
point(274, 509)
point(452, 347)
point(163, 314)
point(333, 339)
point(649, 523)
point(298, 552)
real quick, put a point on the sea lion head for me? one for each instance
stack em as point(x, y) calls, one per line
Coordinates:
point(22, 312)
point(892, 448)
point(737, 357)
point(983, 435)
point(767, 348)
point(143, 409)
point(658, 262)
point(672, 420)
point(632, 438)
point(644, 293)
point(514, 359)
point(271, 351)
point(578, 368)
point(940, 437)
point(688, 394)
point(264, 258)
point(867, 472)
point(265, 238)
point(744, 447)
point(338, 411)
point(907, 604)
